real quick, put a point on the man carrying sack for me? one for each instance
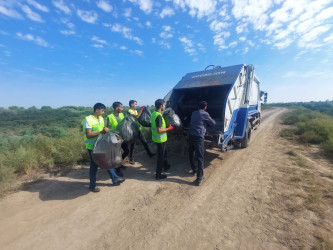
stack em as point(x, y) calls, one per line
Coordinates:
point(113, 121)
point(93, 125)
point(133, 112)
point(159, 136)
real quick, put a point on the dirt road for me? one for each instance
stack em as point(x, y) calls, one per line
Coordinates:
point(240, 205)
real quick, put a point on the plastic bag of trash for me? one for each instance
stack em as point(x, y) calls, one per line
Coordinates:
point(145, 118)
point(128, 129)
point(106, 152)
point(172, 118)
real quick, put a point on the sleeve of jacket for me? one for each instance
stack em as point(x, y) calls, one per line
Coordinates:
point(209, 120)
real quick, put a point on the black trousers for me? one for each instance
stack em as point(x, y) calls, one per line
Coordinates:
point(162, 161)
point(197, 146)
point(144, 143)
point(126, 151)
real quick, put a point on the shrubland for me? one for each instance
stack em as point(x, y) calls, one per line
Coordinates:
point(312, 123)
point(41, 139)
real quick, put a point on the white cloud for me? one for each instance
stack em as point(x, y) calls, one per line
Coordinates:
point(164, 43)
point(104, 5)
point(233, 44)
point(218, 26)
point(59, 4)
point(307, 39)
point(32, 38)
point(219, 40)
point(30, 14)
point(67, 32)
point(38, 6)
point(137, 52)
point(125, 31)
point(196, 7)
point(252, 11)
point(145, 5)
point(324, 15)
point(299, 54)
point(7, 11)
point(201, 47)
point(128, 12)
point(188, 46)
point(87, 16)
point(98, 40)
point(167, 32)
point(167, 11)
point(98, 46)
point(283, 44)
point(123, 47)
point(148, 24)
point(241, 28)
point(329, 38)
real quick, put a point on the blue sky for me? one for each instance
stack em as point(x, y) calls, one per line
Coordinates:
point(66, 52)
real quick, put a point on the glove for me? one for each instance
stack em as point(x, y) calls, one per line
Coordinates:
point(170, 127)
point(142, 108)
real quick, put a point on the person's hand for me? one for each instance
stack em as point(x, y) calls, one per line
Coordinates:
point(106, 129)
point(170, 127)
point(142, 108)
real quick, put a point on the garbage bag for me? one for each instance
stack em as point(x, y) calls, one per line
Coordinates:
point(107, 150)
point(172, 118)
point(128, 129)
point(145, 118)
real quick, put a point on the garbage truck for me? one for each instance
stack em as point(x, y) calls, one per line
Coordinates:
point(234, 101)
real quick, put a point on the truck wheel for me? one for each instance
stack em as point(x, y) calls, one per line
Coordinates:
point(246, 140)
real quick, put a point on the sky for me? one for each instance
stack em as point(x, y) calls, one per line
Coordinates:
point(76, 53)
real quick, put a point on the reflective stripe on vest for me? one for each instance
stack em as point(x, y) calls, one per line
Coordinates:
point(157, 137)
point(135, 112)
point(96, 126)
point(113, 121)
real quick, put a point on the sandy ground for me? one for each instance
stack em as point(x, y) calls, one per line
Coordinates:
point(244, 203)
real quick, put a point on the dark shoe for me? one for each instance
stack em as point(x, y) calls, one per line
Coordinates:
point(160, 177)
point(192, 172)
point(151, 155)
point(167, 167)
point(118, 182)
point(132, 161)
point(119, 172)
point(122, 167)
point(197, 182)
point(94, 189)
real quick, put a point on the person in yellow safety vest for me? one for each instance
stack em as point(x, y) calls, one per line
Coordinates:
point(112, 123)
point(93, 125)
point(133, 112)
point(159, 136)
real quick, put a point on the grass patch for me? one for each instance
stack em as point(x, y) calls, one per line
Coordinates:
point(158, 191)
point(309, 127)
point(288, 133)
point(295, 179)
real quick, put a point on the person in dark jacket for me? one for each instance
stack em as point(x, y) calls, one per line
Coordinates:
point(200, 119)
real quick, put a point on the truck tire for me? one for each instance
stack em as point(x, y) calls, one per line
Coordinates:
point(246, 140)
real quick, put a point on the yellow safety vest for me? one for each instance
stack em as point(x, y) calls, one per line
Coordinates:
point(135, 112)
point(113, 121)
point(156, 137)
point(96, 126)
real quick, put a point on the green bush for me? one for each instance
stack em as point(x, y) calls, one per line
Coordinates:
point(312, 127)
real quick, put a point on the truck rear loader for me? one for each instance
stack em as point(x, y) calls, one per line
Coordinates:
point(234, 102)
